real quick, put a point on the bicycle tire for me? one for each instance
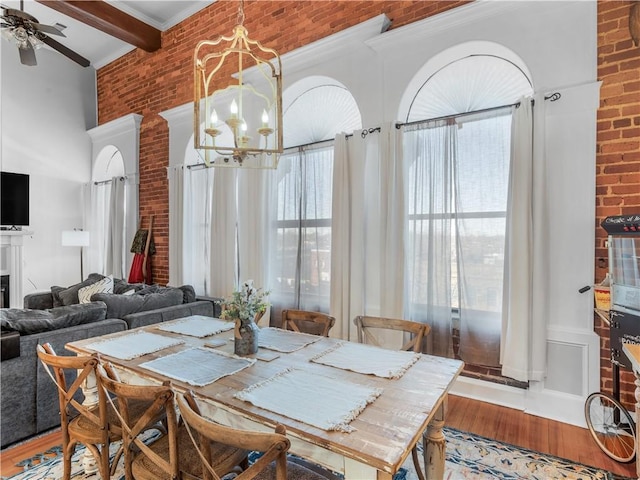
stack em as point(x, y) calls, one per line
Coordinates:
point(611, 426)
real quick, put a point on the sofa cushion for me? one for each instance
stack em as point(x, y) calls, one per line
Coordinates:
point(118, 306)
point(27, 322)
point(101, 286)
point(69, 295)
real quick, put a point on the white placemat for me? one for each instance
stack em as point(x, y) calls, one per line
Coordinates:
point(368, 359)
point(133, 345)
point(197, 326)
point(323, 402)
point(198, 366)
point(284, 341)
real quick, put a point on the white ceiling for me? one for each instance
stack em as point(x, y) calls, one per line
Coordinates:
point(98, 47)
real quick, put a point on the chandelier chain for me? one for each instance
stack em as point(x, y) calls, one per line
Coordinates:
point(240, 18)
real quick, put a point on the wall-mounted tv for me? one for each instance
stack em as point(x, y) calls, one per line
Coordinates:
point(14, 199)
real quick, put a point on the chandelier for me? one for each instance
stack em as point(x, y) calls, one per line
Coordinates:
point(237, 101)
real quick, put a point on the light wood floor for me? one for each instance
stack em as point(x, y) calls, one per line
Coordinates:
point(492, 421)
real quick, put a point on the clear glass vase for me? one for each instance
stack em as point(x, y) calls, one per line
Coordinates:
point(246, 337)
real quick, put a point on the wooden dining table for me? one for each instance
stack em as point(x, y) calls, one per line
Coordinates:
point(406, 410)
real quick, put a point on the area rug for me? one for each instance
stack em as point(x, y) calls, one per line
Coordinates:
point(468, 457)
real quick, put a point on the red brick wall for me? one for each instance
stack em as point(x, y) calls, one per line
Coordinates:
point(149, 83)
point(618, 148)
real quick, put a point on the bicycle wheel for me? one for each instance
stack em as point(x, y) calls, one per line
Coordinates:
point(611, 426)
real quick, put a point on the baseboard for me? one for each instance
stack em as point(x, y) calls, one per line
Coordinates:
point(543, 403)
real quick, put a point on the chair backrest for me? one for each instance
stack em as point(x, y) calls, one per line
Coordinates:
point(316, 323)
point(84, 366)
point(204, 431)
point(157, 401)
point(417, 330)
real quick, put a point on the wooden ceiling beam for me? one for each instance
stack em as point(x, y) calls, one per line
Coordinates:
point(108, 19)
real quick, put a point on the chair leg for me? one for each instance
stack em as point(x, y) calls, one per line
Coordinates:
point(66, 464)
point(416, 462)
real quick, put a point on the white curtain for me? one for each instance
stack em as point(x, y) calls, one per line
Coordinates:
point(525, 306)
point(223, 260)
point(196, 228)
point(430, 154)
point(300, 231)
point(115, 236)
point(177, 212)
point(96, 222)
point(253, 224)
point(481, 177)
point(367, 274)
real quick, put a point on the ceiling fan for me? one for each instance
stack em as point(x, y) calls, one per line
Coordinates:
point(24, 30)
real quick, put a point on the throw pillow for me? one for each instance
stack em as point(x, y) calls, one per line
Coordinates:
point(102, 286)
point(69, 296)
point(188, 294)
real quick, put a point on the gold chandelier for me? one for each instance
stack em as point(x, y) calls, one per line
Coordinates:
point(237, 117)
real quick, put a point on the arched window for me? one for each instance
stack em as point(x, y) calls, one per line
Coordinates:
point(315, 110)
point(457, 143)
point(108, 213)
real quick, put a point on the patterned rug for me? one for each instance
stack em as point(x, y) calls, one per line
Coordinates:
point(468, 457)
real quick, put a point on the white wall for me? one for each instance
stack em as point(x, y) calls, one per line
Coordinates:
point(45, 112)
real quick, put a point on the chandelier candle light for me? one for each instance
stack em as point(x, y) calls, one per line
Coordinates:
point(249, 132)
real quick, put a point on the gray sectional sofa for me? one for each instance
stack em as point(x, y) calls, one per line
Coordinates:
point(28, 397)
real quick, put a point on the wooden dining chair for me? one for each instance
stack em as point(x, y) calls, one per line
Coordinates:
point(304, 321)
point(367, 325)
point(171, 456)
point(96, 426)
point(271, 465)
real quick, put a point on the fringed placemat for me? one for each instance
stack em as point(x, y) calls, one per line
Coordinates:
point(197, 326)
point(367, 359)
point(133, 345)
point(198, 366)
point(326, 403)
point(284, 341)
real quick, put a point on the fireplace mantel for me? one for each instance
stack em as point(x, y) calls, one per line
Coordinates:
point(11, 242)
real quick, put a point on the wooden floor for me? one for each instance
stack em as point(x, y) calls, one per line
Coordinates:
point(492, 421)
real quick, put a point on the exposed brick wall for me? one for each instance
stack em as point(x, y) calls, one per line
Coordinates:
point(618, 149)
point(149, 83)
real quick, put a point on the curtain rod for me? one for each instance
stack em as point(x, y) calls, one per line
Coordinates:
point(104, 182)
point(553, 97)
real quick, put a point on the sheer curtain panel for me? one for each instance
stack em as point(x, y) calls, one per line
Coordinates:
point(430, 155)
point(115, 232)
point(175, 175)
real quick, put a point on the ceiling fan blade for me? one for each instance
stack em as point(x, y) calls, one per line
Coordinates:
point(47, 29)
point(79, 59)
point(27, 55)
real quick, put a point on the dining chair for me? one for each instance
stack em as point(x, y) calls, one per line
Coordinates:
point(272, 464)
point(94, 426)
point(171, 456)
point(304, 321)
point(367, 325)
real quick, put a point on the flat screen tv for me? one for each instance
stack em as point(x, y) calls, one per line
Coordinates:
point(14, 199)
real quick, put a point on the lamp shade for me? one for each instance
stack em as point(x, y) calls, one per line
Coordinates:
point(75, 238)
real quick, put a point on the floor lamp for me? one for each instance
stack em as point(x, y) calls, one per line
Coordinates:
point(76, 238)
